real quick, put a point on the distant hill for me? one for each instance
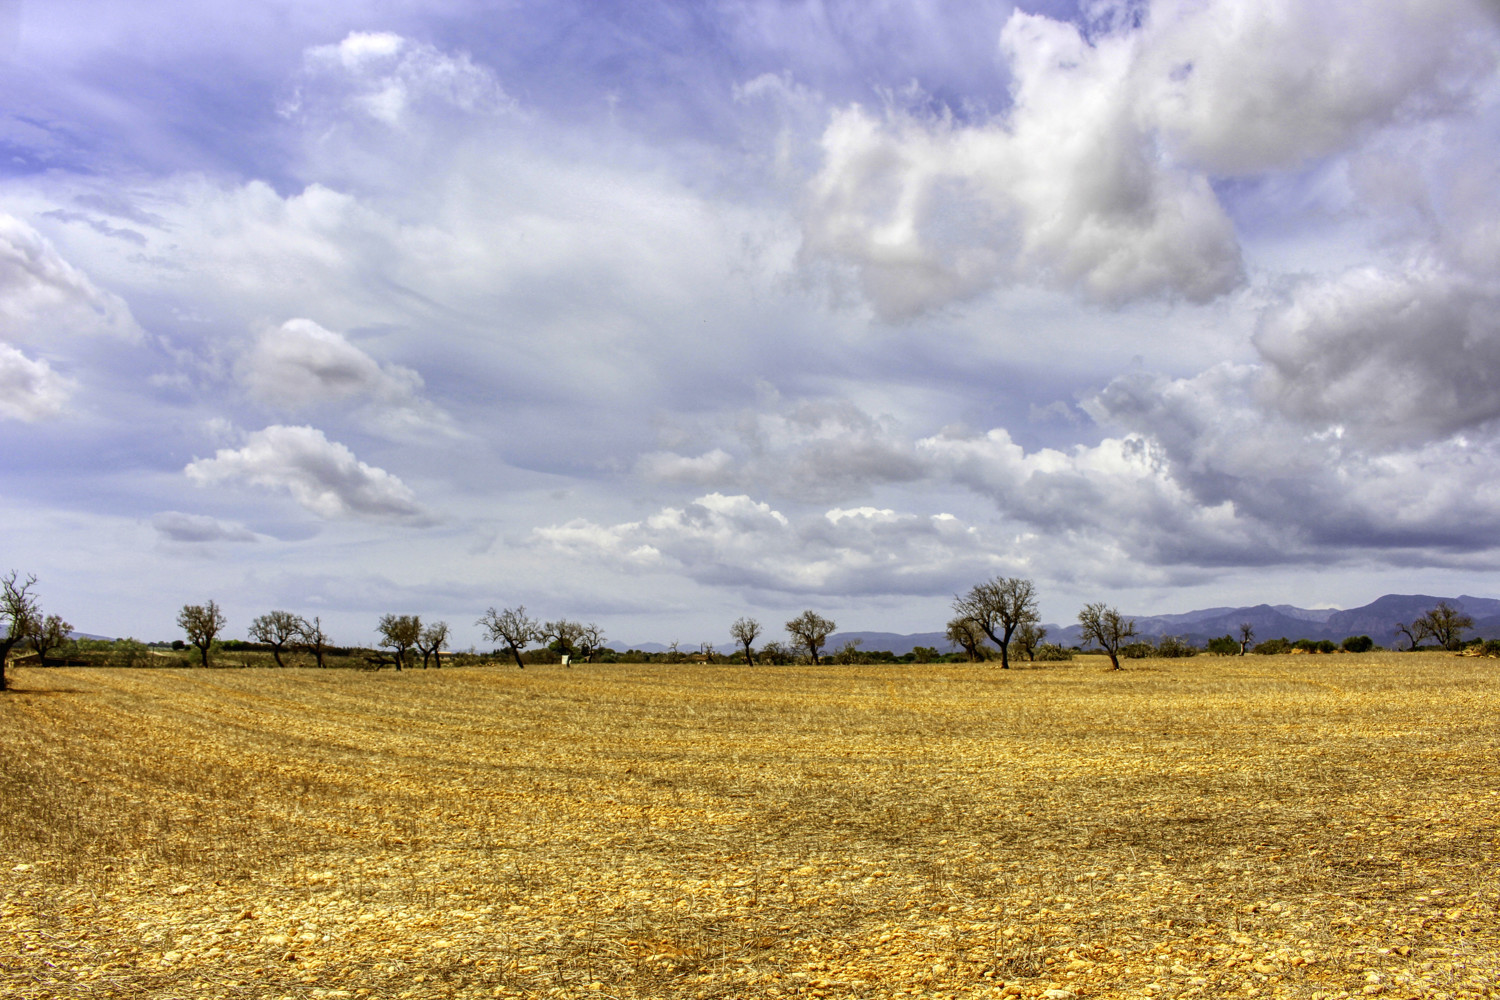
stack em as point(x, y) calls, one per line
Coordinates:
point(1377, 620)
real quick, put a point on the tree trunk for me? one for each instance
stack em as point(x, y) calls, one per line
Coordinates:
point(517, 654)
point(203, 652)
point(5, 648)
point(276, 655)
point(1113, 660)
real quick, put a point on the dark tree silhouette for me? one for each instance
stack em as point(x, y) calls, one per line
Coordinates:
point(202, 623)
point(999, 607)
point(511, 627)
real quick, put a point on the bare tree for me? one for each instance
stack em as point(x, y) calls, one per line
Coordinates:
point(511, 627)
point(565, 635)
point(810, 630)
point(48, 634)
point(1416, 632)
point(744, 631)
point(1029, 636)
point(276, 629)
point(999, 607)
point(593, 638)
point(1247, 632)
point(1106, 627)
point(18, 614)
point(775, 653)
point(431, 642)
point(313, 638)
point(202, 623)
point(400, 633)
point(1445, 624)
point(964, 633)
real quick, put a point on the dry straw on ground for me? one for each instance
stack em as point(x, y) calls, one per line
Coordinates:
point(1266, 826)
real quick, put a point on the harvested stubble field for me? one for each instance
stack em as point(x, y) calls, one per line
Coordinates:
point(1272, 826)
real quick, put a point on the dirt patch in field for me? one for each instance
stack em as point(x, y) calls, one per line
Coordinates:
point(1194, 828)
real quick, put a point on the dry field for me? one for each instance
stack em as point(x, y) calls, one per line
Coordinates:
point(1268, 826)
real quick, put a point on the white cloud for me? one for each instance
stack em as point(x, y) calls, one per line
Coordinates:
point(818, 449)
point(43, 297)
point(385, 76)
point(1242, 86)
point(300, 365)
point(321, 475)
point(1097, 178)
point(738, 541)
point(196, 529)
point(30, 390)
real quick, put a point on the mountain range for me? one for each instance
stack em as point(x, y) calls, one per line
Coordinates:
point(1377, 620)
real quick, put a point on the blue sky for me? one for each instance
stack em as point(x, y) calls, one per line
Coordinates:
point(660, 314)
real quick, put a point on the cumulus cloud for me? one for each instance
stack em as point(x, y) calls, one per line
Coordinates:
point(817, 450)
point(29, 389)
point(385, 76)
point(197, 529)
point(321, 475)
point(1311, 493)
point(1097, 177)
point(738, 541)
point(1241, 86)
point(1068, 190)
point(300, 365)
point(1389, 358)
point(42, 296)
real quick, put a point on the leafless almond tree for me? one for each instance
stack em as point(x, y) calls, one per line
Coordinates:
point(811, 630)
point(400, 633)
point(48, 634)
point(593, 639)
point(1247, 632)
point(511, 627)
point(968, 636)
point(18, 614)
point(1029, 636)
point(999, 607)
point(1446, 624)
point(313, 638)
point(744, 631)
point(276, 629)
point(1106, 627)
point(202, 623)
point(431, 641)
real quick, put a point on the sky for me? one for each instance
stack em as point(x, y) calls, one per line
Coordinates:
point(663, 313)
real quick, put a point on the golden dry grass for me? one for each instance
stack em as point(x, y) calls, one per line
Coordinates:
point(1273, 826)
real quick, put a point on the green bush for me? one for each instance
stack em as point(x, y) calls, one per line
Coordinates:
point(1172, 646)
point(1224, 645)
point(1051, 651)
point(1272, 646)
point(1137, 650)
point(1358, 644)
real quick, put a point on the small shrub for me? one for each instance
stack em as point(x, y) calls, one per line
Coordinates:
point(1051, 652)
point(1273, 646)
point(1326, 646)
point(1137, 650)
point(1173, 646)
point(1358, 644)
point(1224, 645)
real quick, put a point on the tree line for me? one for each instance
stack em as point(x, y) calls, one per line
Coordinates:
point(1002, 611)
